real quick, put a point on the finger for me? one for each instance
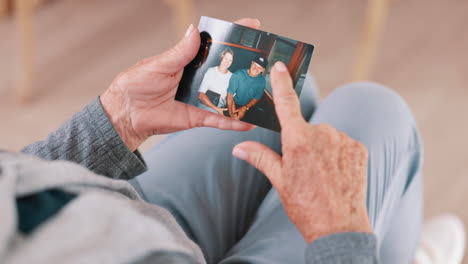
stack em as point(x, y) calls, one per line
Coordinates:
point(176, 58)
point(261, 157)
point(284, 96)
point(248, 22)
point(202, 118)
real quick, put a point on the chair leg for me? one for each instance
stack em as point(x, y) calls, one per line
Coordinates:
point(24, 13)
point(376, 16)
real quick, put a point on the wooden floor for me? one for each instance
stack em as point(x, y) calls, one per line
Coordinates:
point(82, 45)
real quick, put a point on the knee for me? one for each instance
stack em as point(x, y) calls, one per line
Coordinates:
point(366, 111)
point(373, 97)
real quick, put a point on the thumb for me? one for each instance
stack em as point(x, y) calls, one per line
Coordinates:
point(261, 157)
point(176, 58)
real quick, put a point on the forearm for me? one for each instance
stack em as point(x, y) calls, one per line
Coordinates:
point(88, 138)
point(243, 110)
point(230, 103)
point(205, 100)
point(352, 248)
point(251, 103)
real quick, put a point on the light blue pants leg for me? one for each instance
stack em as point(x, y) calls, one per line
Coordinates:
point(213, 195)
point(381, 120)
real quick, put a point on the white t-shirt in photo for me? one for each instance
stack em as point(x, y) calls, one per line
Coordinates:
point(217, 82)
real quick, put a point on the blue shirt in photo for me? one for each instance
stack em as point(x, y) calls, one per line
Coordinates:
point(245, 87)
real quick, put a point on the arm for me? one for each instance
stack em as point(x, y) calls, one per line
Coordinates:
point(231, 91)
point(231, 105)
point(334, 184)
point(89, 138)
point(205, 100)
point(258, 96)
point(105, 135)
point(352, 248)
point(251, 103)
point(243, 110)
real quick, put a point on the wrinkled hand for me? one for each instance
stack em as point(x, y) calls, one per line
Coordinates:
point(140, 101)
point(321, 177)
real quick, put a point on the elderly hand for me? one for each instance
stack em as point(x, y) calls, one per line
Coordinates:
point(321, 177)
point(140, 101)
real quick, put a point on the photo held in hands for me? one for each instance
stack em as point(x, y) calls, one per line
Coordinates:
point(230, 75)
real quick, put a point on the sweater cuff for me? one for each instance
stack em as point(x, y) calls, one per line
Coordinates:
point(343, 248)
point(126, 164)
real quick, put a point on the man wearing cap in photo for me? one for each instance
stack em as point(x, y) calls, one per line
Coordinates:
point(246, 88)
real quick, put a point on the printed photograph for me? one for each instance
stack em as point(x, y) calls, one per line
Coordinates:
point(230, 75)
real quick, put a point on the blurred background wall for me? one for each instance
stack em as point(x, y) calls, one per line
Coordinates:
point(78, 47)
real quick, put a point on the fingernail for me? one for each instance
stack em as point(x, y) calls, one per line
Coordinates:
point(239, 153)
point(279, 66)
point(189, 30)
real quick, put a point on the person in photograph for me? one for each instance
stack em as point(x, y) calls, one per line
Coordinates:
point(246, 88)
point(212, 91)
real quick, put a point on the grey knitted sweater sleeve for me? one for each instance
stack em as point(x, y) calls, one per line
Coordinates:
point(340, 248)
point(88, 138)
